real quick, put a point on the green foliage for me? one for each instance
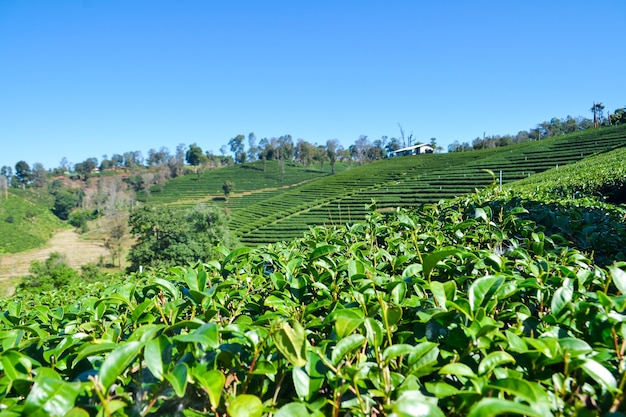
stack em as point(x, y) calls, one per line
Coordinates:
point(52, 273)
point(26, 221)
point(79, 218)
point(602, 177)
point(65, 201)
point(167, 236)
point(228, 187)
point(478, 306)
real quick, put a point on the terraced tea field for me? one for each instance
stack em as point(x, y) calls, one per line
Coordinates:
point(262, 212)
point(405, 182)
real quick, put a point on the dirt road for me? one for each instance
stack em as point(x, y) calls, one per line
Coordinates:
point(67, 242)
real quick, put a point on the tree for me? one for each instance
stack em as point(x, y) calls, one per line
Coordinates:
point(50, 274)
point(360, 149)
point(4, 186)
point(237, 147)
point(598, 117)
point(304, 152)
point(194, 155)
point(86, 167)
point(133, 159)
point(22, 173)
point(158, 158)
point(265, 151)
point(39, 175)
point(321, 155)
point(177, 162)
point(167, 237)
point(619, 117)
point(393, 145)
point(333, 147)
point(228, 187)
point(252, 149)
point(65, 201)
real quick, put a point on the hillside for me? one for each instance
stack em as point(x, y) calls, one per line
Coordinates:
point(26, 220)
point(404, 182)
point(250, 177)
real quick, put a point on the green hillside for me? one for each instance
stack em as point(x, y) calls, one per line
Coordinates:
point(26, 220)
point(186, 190)
point(405, 182)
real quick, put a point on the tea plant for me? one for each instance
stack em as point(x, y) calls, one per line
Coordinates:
point(482, 306)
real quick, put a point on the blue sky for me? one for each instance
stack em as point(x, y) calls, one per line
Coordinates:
point(82, 79)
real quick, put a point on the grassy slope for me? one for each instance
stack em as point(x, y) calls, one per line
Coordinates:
point(26, 221)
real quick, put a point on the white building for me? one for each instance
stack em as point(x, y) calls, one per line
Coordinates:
point(415, 150)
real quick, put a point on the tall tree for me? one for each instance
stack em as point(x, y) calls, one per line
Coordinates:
point(237, 147)
point(304, 152)
point(333, 147)
point(177, 162)
point(23, 173)
point(39, 175)
point(252, 148)
point(598, 116)
point(4, 186)
point(194, 155)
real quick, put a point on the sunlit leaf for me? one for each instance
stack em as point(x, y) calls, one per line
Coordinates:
point(291, 342)
point(245, 405)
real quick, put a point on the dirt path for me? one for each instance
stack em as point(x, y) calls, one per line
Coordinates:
point(67, 242)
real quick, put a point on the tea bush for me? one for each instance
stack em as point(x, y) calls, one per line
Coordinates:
point(479, 307)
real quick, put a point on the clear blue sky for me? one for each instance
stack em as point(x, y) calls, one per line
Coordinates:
point(81, 79)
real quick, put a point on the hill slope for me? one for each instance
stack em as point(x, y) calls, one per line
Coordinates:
point(26, 220)
point(405, 182)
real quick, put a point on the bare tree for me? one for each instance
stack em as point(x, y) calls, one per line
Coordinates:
point(4, 186)
point(597, 109)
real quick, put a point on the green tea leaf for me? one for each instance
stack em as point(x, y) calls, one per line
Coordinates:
point(619, 278)
point(345, 346)
point(322, 251)
point(292, 410)
point(489, 362)
point(431, 260)
point(206, 335)
point(153, 356)
point(117, 361)
point(178, 379)
point(245, 405)
point(600, 374)
point(457, 369)
point(212, 382)
point(396, 350)
point(416, 404)
point(489, 407)
point(51, 397)
point(531, 392)
point(482, 290)
point(347, 320)
point(291, 342)
point(374, 331)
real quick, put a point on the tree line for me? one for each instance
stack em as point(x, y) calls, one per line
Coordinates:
point(161, 164)
point(547, 129)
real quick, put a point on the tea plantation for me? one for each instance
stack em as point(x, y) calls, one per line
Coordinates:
point(500, 302)
point(26, 220)
point(406, 182)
